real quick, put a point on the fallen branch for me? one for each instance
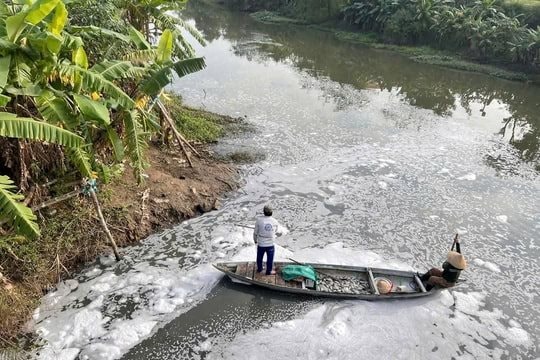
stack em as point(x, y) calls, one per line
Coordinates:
point(50, 202)
point(30, 195)
point(181, 140)
point(225, 182)
point(56, 200)
point(13, 255)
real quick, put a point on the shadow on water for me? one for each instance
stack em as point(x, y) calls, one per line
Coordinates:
point(440, 90)
point(230, 309)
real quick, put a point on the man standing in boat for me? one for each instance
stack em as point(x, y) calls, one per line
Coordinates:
point(266, 229)
point(452, 267)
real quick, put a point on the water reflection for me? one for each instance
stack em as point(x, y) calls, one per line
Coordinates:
point(446, 92)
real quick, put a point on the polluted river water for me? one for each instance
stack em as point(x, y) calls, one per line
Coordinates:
point(369, 159)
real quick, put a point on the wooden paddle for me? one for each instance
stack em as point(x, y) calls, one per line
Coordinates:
point(317, 271)
point(454, 243)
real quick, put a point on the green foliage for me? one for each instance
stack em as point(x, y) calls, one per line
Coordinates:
point(18, 215)
point(370, 15)
point(25, 128)
point(136, 143)
point(57, 66)
point(479, 26)
point(402, 27)
point(528, 10)
point(162, 75)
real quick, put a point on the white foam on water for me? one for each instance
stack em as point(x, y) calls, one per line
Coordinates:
point(502, 218)
point(98, 330)
point(488, 265)
point(440, 326)
point(469, 177)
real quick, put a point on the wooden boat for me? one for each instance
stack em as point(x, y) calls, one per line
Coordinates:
point(337, 281)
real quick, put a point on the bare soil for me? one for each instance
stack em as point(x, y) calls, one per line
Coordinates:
point(72, 236)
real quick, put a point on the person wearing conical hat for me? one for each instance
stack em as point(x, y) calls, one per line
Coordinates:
point(452, 267)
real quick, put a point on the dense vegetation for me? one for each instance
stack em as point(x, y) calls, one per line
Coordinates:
point(480, 26)
point(80, 88)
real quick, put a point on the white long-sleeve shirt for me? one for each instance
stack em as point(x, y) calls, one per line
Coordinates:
point(266, 228)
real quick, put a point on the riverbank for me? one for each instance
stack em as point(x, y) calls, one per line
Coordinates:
point(420, 54)
point(71, 232)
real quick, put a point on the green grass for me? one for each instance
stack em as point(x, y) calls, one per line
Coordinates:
point(271, 17)
point(196, 125)
point(203, 126)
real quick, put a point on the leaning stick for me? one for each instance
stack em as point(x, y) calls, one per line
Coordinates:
point(181, 140)
point(104, 225)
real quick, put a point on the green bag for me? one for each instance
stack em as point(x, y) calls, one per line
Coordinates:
point(290, 272)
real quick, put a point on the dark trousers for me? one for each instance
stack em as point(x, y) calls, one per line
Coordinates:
point(434, 278)
point(269, 250)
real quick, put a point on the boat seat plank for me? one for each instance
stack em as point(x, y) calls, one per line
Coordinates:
point(250, 271)
point(419, 283)
point(372, 282)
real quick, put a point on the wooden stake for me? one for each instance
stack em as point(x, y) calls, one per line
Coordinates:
point(104, 225)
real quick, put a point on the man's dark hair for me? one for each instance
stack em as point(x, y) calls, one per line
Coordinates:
point(267, 211)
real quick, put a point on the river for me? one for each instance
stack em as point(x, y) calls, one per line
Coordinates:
point(369, 159)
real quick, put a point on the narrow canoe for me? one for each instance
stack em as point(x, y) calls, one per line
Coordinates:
point(337, 281)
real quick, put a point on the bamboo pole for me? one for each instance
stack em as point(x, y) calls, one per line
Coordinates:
point(104, 225)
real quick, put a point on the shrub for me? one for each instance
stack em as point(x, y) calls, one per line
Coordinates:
point(402, 28)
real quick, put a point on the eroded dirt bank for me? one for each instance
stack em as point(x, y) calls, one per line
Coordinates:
point(72, 236)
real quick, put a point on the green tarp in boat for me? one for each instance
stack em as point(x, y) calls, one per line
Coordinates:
point(290, 272)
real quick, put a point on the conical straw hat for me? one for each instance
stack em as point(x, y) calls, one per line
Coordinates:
point(456, 260)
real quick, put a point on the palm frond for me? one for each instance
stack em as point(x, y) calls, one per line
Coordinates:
point(71, 42)
point(55, 110)
point(138, 39)
point(21, 72)
point(112, 70)
point(164, 21)
point(98, 31)
point(141, 56)
point(16, 213)
point(92, 81)
point(25, 128)
point(163, 76)
point(183, 49)
point(192, 30)
point(136, 144)
point(117, 145)
point(81, 160)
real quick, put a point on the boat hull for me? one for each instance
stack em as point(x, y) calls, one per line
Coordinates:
point(334, 281)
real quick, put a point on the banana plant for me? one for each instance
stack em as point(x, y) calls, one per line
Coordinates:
point(152, 17)
point(46, 75)
point(14, 211)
